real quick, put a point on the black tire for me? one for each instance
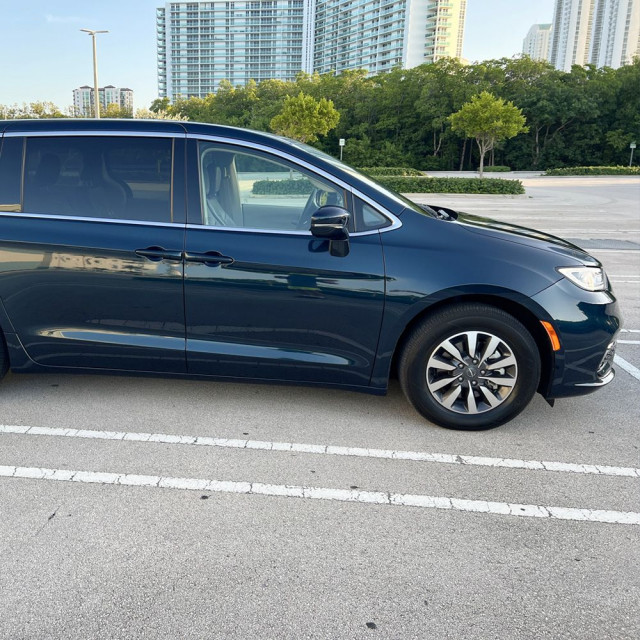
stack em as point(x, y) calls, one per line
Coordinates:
point(433, 375)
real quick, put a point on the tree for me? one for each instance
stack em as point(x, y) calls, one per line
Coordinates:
point(402, 117)
point(148, 114)
point(114, 110)
point(304, 118)
point(535, 86)
point(160, 104)
point(445, 87)
point(32, 111)
point(270, 96)
point(489, 120)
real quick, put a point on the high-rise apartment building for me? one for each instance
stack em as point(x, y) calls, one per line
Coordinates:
point(615, 38)
point(379, 35)
point(572, 24)
point(599, 32)
point(201, 43)
point(83, 99)
point(445, 29)
point(536, 44)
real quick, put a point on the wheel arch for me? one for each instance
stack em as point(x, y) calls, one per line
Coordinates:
point(515, 308)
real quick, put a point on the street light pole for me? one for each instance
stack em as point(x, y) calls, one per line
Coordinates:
point(96, 94)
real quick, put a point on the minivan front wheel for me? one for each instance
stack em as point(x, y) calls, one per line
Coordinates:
point(470, 366)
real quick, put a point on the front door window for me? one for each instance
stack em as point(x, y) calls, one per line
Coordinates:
point(244, 189)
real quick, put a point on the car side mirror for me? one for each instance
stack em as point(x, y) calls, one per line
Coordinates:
point(330, 223)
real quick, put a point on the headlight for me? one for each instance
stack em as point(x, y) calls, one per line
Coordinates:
point(588, 278)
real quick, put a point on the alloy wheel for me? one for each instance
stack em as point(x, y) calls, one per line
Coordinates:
point(472, 372)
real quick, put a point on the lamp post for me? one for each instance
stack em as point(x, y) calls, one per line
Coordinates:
point(632, 146)
point(96, 95)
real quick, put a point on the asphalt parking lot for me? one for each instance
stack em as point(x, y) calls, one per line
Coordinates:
point(155, 508)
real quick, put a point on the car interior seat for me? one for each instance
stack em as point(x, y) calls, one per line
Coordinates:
point(42, 193)
point(105, 197)
point(215, 213)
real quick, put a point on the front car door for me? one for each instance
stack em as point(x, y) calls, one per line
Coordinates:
point(91, 271)
point(264, 299)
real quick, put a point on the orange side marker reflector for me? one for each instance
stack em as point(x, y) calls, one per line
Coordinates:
point(553, 336)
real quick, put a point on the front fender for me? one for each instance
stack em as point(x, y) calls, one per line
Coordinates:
point(430, 262)
point(398, 323)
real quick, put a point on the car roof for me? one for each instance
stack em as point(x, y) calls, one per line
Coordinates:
point(71, 125)
point(78, 124)
point(125, 124)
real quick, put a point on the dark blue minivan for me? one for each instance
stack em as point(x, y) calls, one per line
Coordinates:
point(190, 249)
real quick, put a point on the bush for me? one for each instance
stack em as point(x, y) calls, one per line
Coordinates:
point(403, 184)
point(451, 185)
point(594, 171)
point(390, 171)
point(361, 151)
point(496, 168)
point(288, 187)
point(433, 163)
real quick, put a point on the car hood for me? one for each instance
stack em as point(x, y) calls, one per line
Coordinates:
point(523, 235)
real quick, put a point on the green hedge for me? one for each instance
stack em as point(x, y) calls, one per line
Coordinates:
point(288, 187)
point(594, 171)
point(403, 184)
point(452, 185)
point(390, 171)
point(496, 168)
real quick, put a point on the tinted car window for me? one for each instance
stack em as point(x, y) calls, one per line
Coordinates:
point(99, 177)
point(10, 169)
point(246, 189)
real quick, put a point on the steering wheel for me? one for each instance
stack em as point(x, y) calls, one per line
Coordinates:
point(319, 198)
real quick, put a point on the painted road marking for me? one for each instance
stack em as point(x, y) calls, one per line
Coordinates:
point(628, 341)
point(331, 450)
point(320, 493)
point(627, 366)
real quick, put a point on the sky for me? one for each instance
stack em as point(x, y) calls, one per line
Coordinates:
point(45, 56)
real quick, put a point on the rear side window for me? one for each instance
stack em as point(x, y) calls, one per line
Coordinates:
point(10, 170)
point(125, 178)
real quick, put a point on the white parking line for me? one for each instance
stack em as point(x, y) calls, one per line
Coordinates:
point(331, 450)
point(320, 493)
point(627, 366)
point(628, 341)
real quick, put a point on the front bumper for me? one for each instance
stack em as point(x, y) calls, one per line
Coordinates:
point(587, 324)
point(604, 380)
